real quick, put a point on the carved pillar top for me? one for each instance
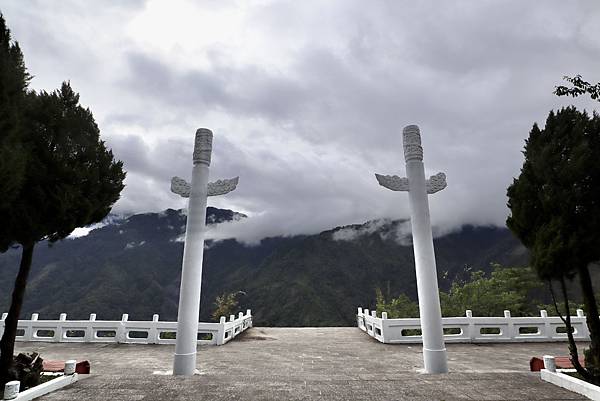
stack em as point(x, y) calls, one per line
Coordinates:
point(412, 143)
point(203, 146)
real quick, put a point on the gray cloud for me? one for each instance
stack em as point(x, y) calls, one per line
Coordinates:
point(308, 99)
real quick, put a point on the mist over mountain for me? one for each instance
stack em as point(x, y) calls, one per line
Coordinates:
point(133, 265)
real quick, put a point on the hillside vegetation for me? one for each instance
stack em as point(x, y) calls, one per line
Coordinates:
point(133, 266)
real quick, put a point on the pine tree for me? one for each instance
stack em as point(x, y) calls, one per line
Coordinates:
point(70, 180)
point(555, 211)
point(13, 85)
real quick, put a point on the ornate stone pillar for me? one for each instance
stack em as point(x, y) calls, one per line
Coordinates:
point(193, 250)
point(434, 350)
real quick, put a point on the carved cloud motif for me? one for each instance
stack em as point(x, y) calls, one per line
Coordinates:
point(222, 187)
point(436, 183)
point(181, 187)
point(392, 182)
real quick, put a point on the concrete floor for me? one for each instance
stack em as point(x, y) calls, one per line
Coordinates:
point(307, 364)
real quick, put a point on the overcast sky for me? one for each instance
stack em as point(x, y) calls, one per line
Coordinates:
point(307, 99)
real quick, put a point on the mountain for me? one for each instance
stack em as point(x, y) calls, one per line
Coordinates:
point(133, 265)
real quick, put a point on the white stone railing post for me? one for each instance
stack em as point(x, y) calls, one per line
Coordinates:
point(85, 331)
point(249, 314)
point(509, 329)
point(153, 334)
point(121, 335)
point(471, 327)
point(584, 329)
point(547, 328)
point(89, 332)
point(384, 323)
point(59, 332)
point(509, 325)
point(221, 332)
point(360, 319)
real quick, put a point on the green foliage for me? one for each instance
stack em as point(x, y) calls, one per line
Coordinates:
point(551, 309)
point(554, 202)
point(292, 281)
point(579, 87)
point(226, 304)
point(396, 308)
point(71, 179)
point(55, 173)
point(13, 84)
point(505, 289)
point(555, 210)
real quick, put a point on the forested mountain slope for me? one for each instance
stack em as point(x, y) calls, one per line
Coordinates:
point(133, 266)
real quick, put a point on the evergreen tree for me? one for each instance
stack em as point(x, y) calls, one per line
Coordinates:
point(13, 85)
point(555, 211)
point(70, 180)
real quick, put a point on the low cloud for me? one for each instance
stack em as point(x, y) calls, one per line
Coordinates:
point(307, 100)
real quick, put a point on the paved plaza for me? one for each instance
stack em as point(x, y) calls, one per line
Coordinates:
point(307, 364)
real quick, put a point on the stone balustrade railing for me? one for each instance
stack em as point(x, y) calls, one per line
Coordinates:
point(125, 331)
point(471, 329)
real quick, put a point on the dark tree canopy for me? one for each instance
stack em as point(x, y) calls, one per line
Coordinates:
point(555, 202)
point(13, 83)
point(71, 179)
point(555, 212)
point(55, 174)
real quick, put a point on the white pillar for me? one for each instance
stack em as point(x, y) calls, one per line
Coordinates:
point(70, 367)
point(11, 390)
point(434, 350)
point(549, 363)
point(191, 275)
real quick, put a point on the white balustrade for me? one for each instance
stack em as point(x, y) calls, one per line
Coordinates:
point(124, 330)
point(471, 329)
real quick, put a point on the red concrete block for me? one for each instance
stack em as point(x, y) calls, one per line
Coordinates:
point(82, 367)
point(562, 362)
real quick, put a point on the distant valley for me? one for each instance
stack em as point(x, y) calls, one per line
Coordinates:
point(132, 265)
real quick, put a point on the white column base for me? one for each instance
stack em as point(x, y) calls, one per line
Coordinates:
point(435, 361)
point(184, 364)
